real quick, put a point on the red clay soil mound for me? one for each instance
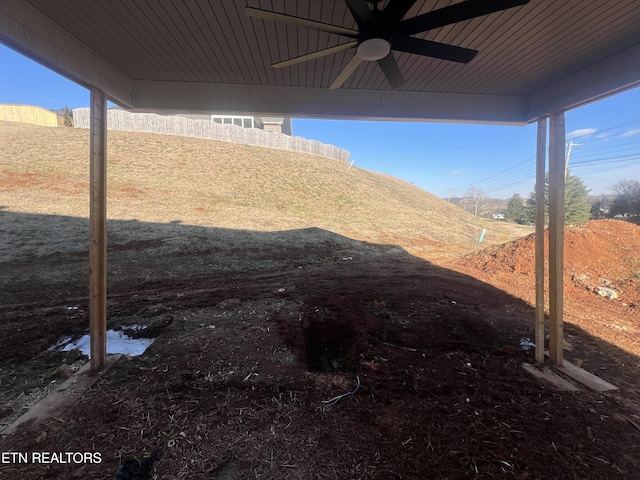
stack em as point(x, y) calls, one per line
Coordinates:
point(601, 257)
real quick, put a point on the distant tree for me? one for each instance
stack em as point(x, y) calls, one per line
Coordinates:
point(627, 201)
point(530, 208)
point(478, 197)
point(598, 208)
point(516, 210)
point(576, 207)
point(68, 119)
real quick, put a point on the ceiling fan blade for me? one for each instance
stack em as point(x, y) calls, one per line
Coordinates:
point(396, 10)
point(361, 13)
point(300, 22)
point(390, 68)
point(452, 14)
point(314, 55)
point(346, 72)
point(428, 48)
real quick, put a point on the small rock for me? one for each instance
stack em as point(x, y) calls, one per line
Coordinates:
point(5, 410)
point(371, 365)
point(63, 371)
point(73, 356)
point(606, 292)
point(229, 302)
point(153, 310)
point(582, 280)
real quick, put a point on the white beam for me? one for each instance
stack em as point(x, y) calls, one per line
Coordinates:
point(540, 188)
point(556, 236)
point(182, 97)
point(98, 231)
point(29, 32)
point(613, 75)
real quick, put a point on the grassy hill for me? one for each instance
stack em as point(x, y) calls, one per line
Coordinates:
point(163, 178)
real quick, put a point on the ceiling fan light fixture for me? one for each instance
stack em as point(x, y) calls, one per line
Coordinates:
point(373, 49)
point(379, 32)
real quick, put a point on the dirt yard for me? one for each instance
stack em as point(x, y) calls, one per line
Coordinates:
point(255, 332)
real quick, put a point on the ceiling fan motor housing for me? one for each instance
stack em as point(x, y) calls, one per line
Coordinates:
point(374, 49)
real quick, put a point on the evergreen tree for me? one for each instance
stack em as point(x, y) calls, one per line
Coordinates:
point(576, 206)
point(68, 119)
point(516, 211)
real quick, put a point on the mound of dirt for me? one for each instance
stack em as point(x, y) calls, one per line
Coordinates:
point(601, 280)
point(602, 257)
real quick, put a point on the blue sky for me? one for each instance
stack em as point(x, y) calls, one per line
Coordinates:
point(444, 159)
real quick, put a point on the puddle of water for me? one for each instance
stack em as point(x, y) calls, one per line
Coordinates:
point(117, 342)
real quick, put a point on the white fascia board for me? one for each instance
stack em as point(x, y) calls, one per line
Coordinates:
point(324, 103)
point(614, 75)
point(26, 30)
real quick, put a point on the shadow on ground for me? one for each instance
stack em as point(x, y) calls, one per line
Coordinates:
point(255, 330)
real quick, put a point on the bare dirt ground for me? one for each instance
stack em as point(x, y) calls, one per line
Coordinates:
point(255, 330)
point(316, 277)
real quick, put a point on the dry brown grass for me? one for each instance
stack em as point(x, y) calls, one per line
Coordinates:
point(161, 178)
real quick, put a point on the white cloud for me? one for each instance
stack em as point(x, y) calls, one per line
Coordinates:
point(605, 136)
point(581, 132)
point(630, 133)
point(456, 172)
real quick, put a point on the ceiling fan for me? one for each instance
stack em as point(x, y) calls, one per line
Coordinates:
point(381, 31)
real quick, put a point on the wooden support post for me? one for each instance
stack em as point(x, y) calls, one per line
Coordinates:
point(540, 188)
point(98, 231)
point(556, 235)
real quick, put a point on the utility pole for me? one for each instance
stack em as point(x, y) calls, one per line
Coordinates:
point(449, 193)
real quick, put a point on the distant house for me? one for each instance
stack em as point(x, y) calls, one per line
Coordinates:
point(497, 216)
point(240, 121)
point(269, 124)
point(277, 124)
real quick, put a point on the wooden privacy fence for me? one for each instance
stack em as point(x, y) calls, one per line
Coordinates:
point(29, 114)
point(177, 125)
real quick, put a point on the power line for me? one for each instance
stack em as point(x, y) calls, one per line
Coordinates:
point(520, 173)
point(527, 161)
point(608, 160)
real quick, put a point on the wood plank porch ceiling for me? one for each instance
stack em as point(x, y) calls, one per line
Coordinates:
point(523, 50)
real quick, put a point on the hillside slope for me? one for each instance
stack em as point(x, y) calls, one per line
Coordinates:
point(164, 178)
